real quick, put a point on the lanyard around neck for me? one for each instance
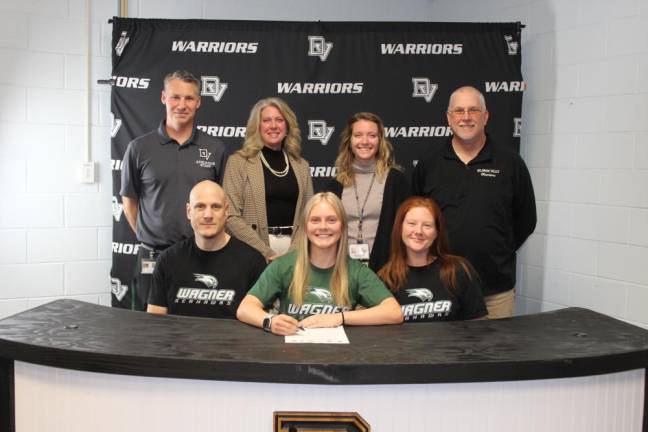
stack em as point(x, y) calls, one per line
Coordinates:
point(361, 209)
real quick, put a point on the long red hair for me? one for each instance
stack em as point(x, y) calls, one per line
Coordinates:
point(394, 272)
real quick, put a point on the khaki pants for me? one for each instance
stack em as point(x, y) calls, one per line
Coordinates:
point(501, 305)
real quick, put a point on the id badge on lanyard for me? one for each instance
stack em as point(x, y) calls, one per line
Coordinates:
point(359, 251)
point(148, 265)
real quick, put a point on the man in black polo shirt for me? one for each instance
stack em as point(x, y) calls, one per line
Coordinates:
point(486, 196)
point(159, 169)
point(206, 275)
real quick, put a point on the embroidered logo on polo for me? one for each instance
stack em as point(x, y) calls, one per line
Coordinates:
point(117, 288)
point(423, 88)
point(488, 172)
point(121, 43)
point(512, 45)
point(517, 127)
point(209, 295)
point(426, 308)
point(205, 154)
point(212, 86)
point(318, 130)
point(319, 47)
point(117, 209)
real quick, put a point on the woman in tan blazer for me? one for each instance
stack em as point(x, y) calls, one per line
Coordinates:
point(267, 181)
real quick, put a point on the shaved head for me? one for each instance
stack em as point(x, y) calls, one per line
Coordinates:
point(208, 187)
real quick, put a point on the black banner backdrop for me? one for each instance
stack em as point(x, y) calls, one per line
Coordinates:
point(326, 71)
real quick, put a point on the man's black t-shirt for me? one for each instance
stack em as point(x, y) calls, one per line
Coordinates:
point(423, 298)
point(190, 281)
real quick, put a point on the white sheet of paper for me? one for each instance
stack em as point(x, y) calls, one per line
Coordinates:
point(328, 335)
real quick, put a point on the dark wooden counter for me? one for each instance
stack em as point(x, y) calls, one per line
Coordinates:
point(566, 343)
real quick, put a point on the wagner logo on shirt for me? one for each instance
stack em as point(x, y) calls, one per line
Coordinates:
point(422, 294)
point(322, 304)
point(314, 309)
point(488, 172)
point(322, 295)
point(426, 308)
point(209, 295)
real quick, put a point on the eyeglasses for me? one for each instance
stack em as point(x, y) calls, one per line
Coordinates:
point(460, 112)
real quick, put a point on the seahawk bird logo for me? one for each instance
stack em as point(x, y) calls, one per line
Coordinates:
point(422, 294)
point(209, 280)
point(322, 295)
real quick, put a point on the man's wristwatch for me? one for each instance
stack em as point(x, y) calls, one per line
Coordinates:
point(267, 323)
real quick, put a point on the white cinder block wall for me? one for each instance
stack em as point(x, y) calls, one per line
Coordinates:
point(54, 231)
point(585, 139)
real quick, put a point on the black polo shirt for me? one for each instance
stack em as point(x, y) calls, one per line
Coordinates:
point(160, 173)
point(488, 205)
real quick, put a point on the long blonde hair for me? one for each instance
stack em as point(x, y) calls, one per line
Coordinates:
point(253, 142)
point(384, 156)
point(340, 277)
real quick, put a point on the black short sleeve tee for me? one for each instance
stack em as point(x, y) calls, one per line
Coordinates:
point(423, 298)
point(190, 281)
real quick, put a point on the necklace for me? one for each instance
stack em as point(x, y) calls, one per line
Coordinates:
point(276, 173)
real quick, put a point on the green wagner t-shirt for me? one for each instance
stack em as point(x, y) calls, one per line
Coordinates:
point(364, 288)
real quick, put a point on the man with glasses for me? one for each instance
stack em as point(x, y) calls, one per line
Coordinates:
point(486, 196)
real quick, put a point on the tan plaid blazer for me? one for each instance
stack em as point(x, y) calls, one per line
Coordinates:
point(245, 187)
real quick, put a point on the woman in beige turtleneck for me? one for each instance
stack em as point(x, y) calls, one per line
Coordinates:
point(371, 187)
